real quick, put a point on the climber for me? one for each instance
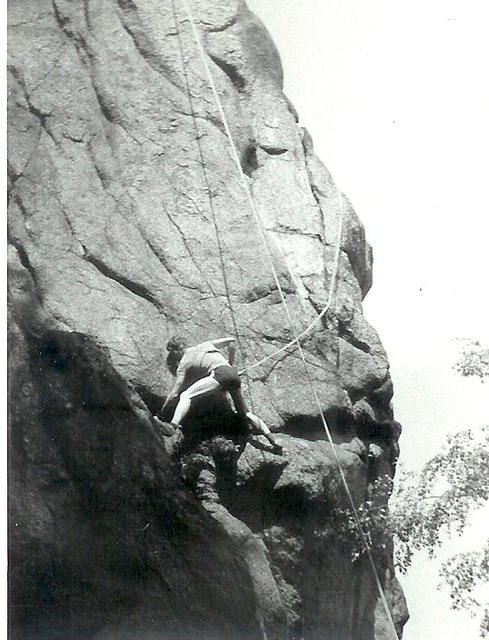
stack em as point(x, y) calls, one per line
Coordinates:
point(203, 369)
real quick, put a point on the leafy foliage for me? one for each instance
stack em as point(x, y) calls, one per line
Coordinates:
point(463, 573)
point(369, 528)
point(439, 502)
point(473, 360)
point(425, 508)
point(450, 486)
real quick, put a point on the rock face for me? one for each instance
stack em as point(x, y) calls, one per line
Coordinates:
point(129, 223)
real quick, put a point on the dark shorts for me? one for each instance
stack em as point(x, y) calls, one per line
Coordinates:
point(227, 377)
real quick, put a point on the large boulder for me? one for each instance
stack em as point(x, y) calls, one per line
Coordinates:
point(128, 223)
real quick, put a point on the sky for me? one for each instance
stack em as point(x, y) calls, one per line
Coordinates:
point(396, 98)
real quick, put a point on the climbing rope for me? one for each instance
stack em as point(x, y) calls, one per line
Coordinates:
point(297, 337)
point(326, 307)
point(211, 203)
point(256, 215)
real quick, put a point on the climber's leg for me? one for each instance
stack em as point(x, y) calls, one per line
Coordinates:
point(258, 424)
point(239, 402)
point(262, 428)
point(204, 385)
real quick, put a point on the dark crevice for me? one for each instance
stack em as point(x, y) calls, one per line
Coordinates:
point(61, 20)
point(26, 263)
point(67, 136)
point(365, 392)
point(249, 160)
point(86, 12)
point(68, 221)
point(355, 394)
point(342, 425)
point(214, 120)
point(13, 177)
point(101, 175)
point(106, 112)
point(104, 177)
point(317, 193)
point(372, 429)
point(164, 262)
point(13, 174)
point(264, 291)
point(42, 117)
point(23, 257)
point(232, 73)
point(134, 287)
point(141, 42)
point(288, 230)
point(258, 293)
point(83, 49)
point(347, 335)
point(273, 151)
point(111, 116)
point(310, 427)
point(308, 150)
point(191, 256)
point(152, 400)
point(20, 204)
point(318, 308)
point(381, 397)
point(81, 45)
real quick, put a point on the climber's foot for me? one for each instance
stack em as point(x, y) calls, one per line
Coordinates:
point(168, 428)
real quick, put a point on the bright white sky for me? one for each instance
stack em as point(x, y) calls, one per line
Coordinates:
point(396, 98)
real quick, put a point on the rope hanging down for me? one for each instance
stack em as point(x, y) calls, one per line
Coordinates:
point(256, 215)
point(282, 296)
point(211, 203)
point(323, 312)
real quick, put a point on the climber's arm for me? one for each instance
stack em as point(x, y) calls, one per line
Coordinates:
point(177, 386)
point(228, 342)
point(223, 342)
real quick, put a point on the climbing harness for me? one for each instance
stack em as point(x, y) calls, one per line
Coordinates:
point(297, 337)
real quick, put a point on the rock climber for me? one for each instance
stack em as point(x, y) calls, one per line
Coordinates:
point(204, 369)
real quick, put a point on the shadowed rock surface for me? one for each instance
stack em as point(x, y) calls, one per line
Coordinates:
point(128, 223)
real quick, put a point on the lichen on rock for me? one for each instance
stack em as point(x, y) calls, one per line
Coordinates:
point(128, 223)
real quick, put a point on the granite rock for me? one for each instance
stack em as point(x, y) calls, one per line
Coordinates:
point(128, 223)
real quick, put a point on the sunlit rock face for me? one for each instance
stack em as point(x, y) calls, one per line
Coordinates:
point(128, 223)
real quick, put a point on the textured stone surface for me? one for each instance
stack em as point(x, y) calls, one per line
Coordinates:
point(128, 222)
